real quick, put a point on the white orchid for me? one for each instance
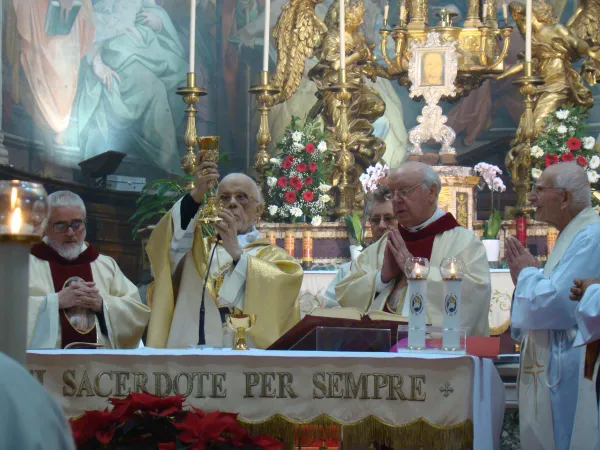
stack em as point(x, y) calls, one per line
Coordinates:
point(322, 146)
point(324, 188)
point(536, 173)
point(297, 136)
point(593, 176)
point(316, 221)
point(562, 114)
point(498, 185)
point(588, 142)
point(488, 172)
point(537, 151)
point(594, 162)
point(562, 129)
point(273, 209)
point(271, 181)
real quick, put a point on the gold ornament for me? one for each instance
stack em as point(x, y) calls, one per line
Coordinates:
point(209, 151)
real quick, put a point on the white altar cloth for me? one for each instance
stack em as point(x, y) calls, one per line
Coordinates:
point(444, 390)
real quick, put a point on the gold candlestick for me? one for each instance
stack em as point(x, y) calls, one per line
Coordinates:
point(209, 151)
point(265, 97)
point(345, 159)
point(191, 96)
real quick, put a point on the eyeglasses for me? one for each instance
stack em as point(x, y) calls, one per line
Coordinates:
point(63, 227)
point(538, 190)
point(406, 192)
point(376, 220)
point(240, 198)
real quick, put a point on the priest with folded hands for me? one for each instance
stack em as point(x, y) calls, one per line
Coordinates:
point(377, 280)
point(242, 272)
point(76, 295)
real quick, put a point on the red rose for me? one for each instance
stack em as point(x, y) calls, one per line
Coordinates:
point(574, 144)
point(288, 162)
point(282, 182)
point(308, 196)
point(582, 161)
point(290, 196)
point(301, 167)
point(567, 157)
point(310, 148)
point(551, 159)
point(308, 181)
point(312, 166)
point(296, 183)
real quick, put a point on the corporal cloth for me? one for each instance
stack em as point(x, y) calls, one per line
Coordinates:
point(122, 320)
point(443, 237)
point(265, 282)
point(543, 319)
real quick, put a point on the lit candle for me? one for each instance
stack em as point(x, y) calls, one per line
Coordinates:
point(505, 12)
point(192, 35)
point(386, 11)
point(342, 35)
point(528, 13)
point(418, 271)
point(266, 37)
point(415, 307)
point(451, 275)
point(16, 221)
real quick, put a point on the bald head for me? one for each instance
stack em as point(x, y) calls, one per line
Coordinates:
point(421, 172)
point(573, 177)
point(242, 179)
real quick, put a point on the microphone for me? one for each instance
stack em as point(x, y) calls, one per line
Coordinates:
point(201, 333)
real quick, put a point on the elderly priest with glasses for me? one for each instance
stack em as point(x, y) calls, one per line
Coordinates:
point(78, 297)
point(240, 272)
point(377, 280)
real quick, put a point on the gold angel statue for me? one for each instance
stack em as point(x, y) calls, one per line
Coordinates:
point(299, 34)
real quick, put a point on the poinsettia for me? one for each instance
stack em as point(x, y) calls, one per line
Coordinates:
point(301, 167)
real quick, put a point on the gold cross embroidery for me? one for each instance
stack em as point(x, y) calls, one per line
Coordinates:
point(535, 369)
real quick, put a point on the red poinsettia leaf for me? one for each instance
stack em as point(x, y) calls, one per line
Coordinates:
point(90, 424)
point(105, 436)
point(167, 446)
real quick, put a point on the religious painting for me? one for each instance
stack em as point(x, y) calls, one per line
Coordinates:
point(432, 68)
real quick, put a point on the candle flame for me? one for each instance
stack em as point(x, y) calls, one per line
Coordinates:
point(13, 198)
point(418, 269)
point(16, 221)
point(452, 271)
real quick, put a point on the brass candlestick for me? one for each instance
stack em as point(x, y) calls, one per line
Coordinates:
point(191, 96)
point(345, 159)
point(518, 160)
point(265, 97)
point(209, 151)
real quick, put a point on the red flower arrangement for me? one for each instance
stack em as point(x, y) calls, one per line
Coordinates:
point(574, 144)
point(308, 196)
point(310, 148)
point(151, 422)
point(567, 157)
point(551, 159)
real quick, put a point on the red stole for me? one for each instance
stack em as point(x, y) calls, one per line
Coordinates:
point(64, 272)
point(420, 243)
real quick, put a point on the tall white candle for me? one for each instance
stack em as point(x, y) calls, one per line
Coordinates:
point(192, 35)
point(485, 12)
point(505, 12)
point(528, 14)
point(342, 35)
point(452, 307)
point(402, 13)
point(417, 316)
point(267, 35)
point(386, 11)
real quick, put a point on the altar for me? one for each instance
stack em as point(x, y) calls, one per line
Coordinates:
point(429, 400)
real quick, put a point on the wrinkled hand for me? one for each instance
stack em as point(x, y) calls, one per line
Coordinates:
point(205, 177)
point(104, 73)
point(395, 257)
point(228, 231)
point(151, 20)
point(518, 258)
point(82, 295)
point(580, 286)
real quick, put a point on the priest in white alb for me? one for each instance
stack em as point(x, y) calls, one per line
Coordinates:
point(243, 272)
point(377, 280)
point(543, 316)
point(76, 295)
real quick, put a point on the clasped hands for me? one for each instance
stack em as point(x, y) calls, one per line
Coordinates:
point(394, 257)
point(518, 258)
point(81, 295)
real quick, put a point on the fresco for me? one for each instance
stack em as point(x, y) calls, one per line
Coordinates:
point(81, 77)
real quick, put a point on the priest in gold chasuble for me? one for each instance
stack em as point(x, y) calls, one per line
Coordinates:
point(246, 274)
point(76, 295)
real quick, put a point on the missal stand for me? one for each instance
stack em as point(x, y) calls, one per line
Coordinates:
point(315, 333)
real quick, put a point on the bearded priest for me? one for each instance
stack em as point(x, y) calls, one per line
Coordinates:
point(242, 272)
point(377, 280)
point(76, 295)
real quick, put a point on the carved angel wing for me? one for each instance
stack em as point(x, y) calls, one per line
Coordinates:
point(585, 23)
point(298, 33)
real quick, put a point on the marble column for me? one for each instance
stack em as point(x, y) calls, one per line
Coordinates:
point(3, 151)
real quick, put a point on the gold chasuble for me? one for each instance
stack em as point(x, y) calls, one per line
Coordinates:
point(270, 290)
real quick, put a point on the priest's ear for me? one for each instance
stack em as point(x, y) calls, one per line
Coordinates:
point(567, 200)
point(433, 193)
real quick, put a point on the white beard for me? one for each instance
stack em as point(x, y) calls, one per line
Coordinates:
point(67, 251)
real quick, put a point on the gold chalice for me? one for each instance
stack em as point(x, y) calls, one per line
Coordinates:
point(240, 323)
point(209, 151)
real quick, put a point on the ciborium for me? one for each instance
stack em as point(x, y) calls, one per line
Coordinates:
point(209, 151)
point(240, 323)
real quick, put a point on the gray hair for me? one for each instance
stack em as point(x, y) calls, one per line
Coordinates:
point(573, 177)
point(257, 193)
point(65, 199)
point(381, 195)
point(431, 177)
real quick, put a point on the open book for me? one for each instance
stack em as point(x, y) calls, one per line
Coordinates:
point(357, 314)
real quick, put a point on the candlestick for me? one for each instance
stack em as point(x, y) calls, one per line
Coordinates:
point(452, 271)
point(416, 271)
point(192, 35)
point(402, 15)
point(485, 11)
point(289, 242)
point(386, 11)
point(505, 13)
point(267, 35)
point(307, 249)
point(528, 14)
point(342, 36)
point(23, 217)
